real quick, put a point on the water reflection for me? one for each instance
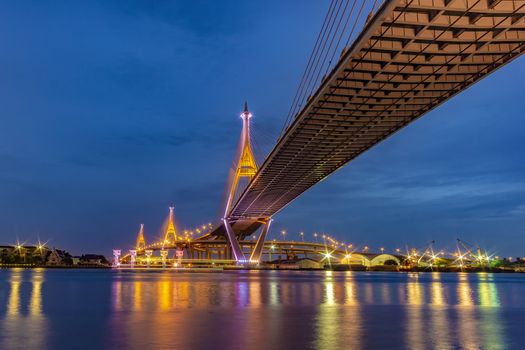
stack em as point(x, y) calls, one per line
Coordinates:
point(415, 322)
point(13, 305)
point(137, 295)
point(440, 334)
point(338, 326)
point(274, 293)
point(255, 294)
point(466, 314)
point(24, 325)
point(491, 331)
point(251, 310)
point(475, 322)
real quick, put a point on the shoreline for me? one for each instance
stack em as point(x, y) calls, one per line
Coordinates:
point(235, 268)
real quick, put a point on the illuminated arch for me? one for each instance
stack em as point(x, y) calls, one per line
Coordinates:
point(356, 259)
point(384, 259)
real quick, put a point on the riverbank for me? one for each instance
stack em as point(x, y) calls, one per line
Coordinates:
point(263, 268)
point(34, 266)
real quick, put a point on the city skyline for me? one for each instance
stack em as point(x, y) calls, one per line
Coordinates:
point(108, 126)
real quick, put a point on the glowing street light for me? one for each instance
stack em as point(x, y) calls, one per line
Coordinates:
point(327, 256)
point(272, 248)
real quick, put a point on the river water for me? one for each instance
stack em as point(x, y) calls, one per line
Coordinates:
point(102, 309)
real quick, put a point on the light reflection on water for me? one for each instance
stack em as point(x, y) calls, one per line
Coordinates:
point(266, 309)
point(24, 323)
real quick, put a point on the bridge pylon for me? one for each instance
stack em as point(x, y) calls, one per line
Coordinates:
point(255, 257)
point(171, 233)
point(141, 241)
point(245, 168)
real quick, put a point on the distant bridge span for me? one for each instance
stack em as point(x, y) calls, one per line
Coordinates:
point(412, 56)
point(212, 251)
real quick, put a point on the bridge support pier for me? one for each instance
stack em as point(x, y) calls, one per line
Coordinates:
point(234, 243)
point(255, 258)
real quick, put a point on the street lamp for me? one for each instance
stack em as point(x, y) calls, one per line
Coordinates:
point(283, 232)
point(272, 248)
point(302, 236)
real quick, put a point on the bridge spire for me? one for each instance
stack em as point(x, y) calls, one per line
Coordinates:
point(171, 233)
point(141, 241)
point(246, 166)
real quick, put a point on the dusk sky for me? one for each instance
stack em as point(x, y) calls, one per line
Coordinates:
point(113, 110)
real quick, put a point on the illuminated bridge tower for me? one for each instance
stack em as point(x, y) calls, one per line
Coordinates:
point(246, 165)
point(171, 233)
point(141, 241)
point(245, 168)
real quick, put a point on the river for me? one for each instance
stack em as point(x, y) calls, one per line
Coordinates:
point(105, 309)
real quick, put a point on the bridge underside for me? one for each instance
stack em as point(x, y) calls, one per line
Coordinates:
point(412, 56)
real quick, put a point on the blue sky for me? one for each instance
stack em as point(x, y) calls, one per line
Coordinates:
point(113, 110)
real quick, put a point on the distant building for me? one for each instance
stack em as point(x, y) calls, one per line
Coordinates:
point(93, 260)
point(56, 257)
point(297, 264)
point(308, 264)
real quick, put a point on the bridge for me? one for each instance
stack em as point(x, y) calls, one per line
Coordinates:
point(410, 57)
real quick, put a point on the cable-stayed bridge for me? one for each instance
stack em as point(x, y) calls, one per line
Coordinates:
point(410, 57)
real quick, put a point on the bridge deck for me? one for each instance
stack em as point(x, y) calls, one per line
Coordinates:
point(411, 57)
